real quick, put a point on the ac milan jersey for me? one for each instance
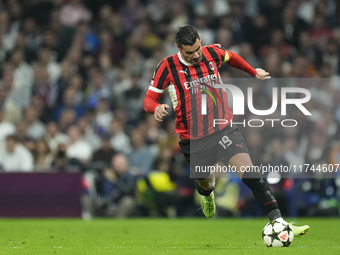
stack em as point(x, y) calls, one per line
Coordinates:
point(186, 83)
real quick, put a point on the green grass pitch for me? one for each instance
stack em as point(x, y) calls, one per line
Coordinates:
point(159, 236)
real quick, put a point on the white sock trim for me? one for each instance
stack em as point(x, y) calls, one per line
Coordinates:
point(280, 220)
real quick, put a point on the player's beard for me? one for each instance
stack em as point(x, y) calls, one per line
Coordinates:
point(196, 61)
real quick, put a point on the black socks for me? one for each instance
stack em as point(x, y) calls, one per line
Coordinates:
point(201, 191)
point(263, 195)
point(274, 214)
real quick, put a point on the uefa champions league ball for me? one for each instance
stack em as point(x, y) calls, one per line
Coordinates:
point(277, 234)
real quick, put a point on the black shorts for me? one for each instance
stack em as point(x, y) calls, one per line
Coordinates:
point(204, 152)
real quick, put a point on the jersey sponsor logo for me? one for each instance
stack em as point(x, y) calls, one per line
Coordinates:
point(206, 80)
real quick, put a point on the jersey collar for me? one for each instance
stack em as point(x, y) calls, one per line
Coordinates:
point(182, 60)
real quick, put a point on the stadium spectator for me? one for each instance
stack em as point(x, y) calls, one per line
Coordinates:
point(69, 102)
point(42, 156)
point(158, 9)
point(103, 116)
point(119, 141)
point(156, 192)
point(277, 44)
point(67, 119)
point(59, 87)
point(21, 131)
point(224, 37)
point(133, 61)
point(259, 32)
point(76, 83)
point(132, 99)
point(54, 137)
point(129, 13)
point(46, 60)
point(6, 128)
point(291, 25)
point(144, 39)
point(141, 156)
point(109, 72)
point(87, 38)
point(2, 51)
point(178, 14)
point(41, 85)
point(105, 13)
point(22, 78)
point(108, 46)
point(117, 189)
point(246, 52)
point(88, 133)
point(319, 32)
point(78, 148)
point(9, 30)
point(61, 163)
point(35, 129)
point(105, 154)
point(74, 12)
point(121, 84)
point(117, 28)
point(14, 157)
point(9, 98)
point(214, 8)
point(153, 131)
point(96, 90)
point(207, 34)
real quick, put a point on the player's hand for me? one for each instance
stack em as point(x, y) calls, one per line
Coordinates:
point(160, 112)
point(262, 74)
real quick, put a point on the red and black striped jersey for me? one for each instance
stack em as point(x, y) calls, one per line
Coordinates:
point(186, 83)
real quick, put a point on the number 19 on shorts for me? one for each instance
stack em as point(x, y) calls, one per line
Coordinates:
point(225, 142)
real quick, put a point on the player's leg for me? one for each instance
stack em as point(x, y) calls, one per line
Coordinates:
point(198, 153)
point(205, 187)
point(261, 191)
point(207, 184)
point(235, 152)
point(262, 194)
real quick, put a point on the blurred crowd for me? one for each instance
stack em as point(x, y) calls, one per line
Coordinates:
point(73, 75)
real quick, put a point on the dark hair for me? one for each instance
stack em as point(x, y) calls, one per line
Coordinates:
point(61, 155)
point(186, 35)
point(12, 137)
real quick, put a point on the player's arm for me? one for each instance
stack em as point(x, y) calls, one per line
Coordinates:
point(152, 106)
point(236, 61)
point(159, 82)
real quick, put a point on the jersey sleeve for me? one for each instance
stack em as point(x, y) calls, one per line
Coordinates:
point(233, 59)
point(223, 55)
point(160, 79)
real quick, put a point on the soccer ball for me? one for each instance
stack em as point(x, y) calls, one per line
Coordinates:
point(277, 234)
